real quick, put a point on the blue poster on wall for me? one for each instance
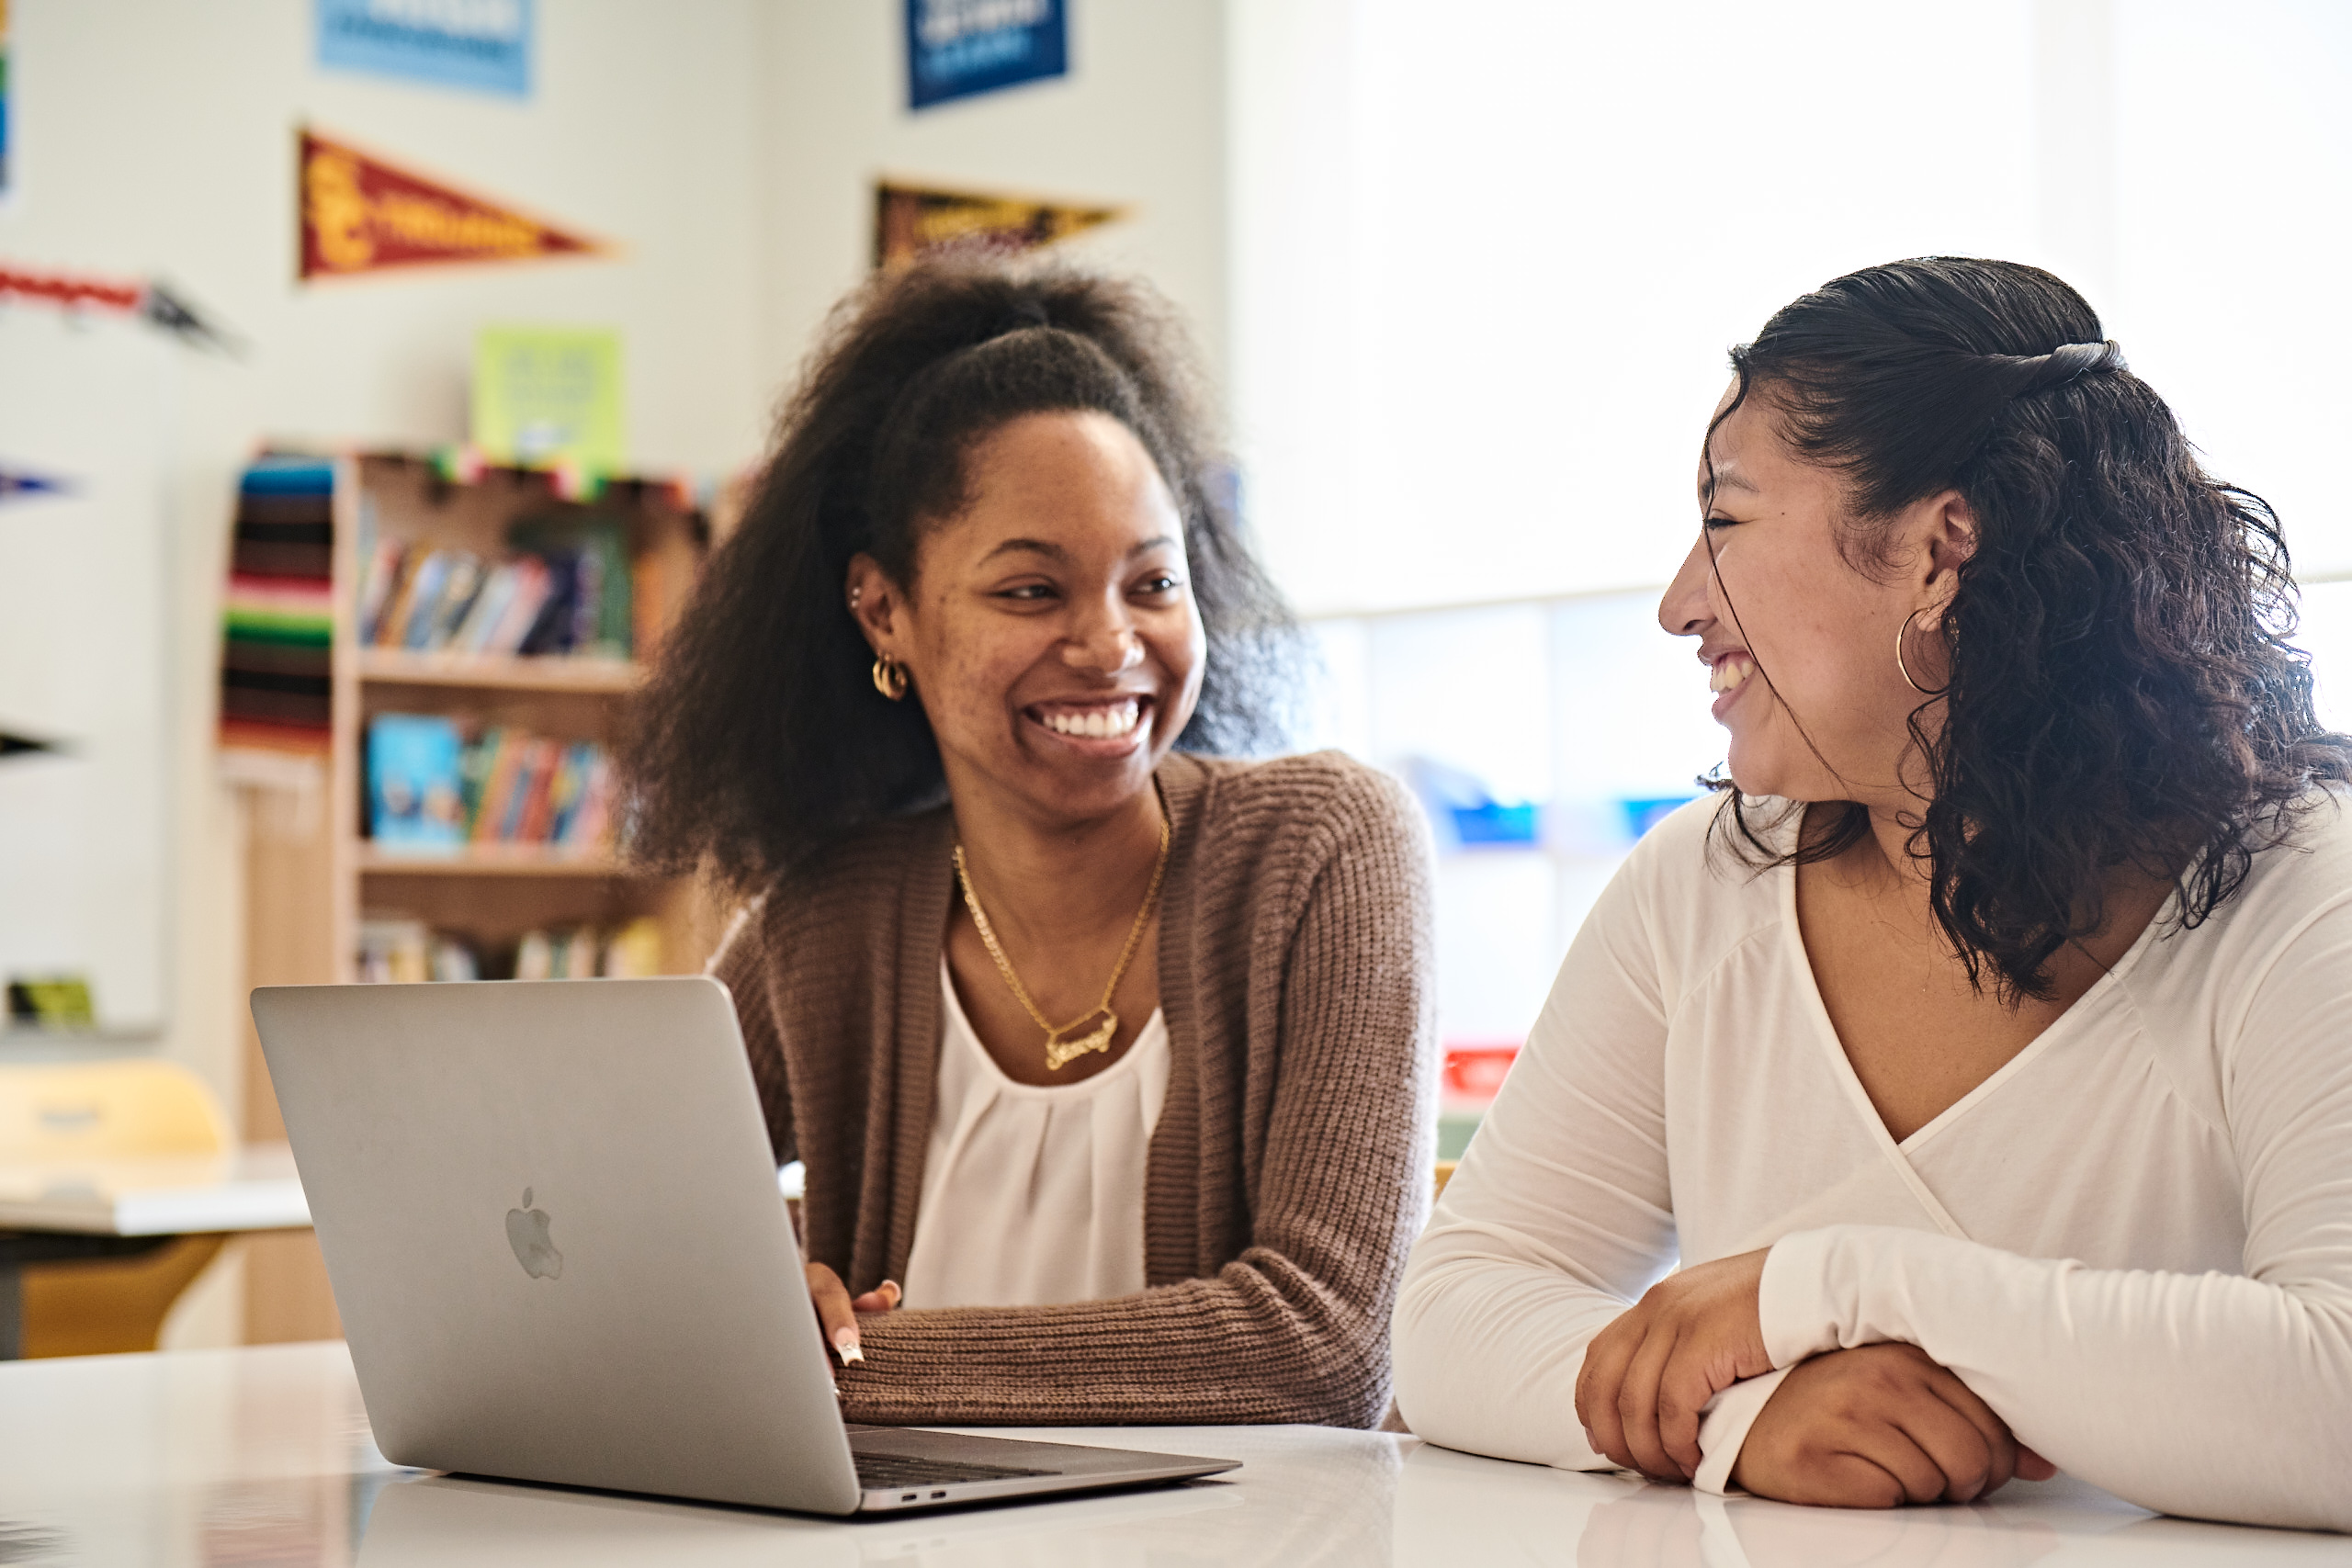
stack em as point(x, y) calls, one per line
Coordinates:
point(482, 44)
point(958, 48)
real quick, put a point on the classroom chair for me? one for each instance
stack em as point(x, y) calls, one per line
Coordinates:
point(66, 1112)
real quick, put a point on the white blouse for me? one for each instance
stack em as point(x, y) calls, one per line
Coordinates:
point(2134, 1241)
point(1033, 1196)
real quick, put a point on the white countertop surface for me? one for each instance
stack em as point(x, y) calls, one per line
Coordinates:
point(263, 1455)
point(250, 1188)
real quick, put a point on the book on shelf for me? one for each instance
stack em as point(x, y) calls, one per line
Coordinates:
point(433, 791)
point(397, 949)
point(415, 783)
point(567, 588)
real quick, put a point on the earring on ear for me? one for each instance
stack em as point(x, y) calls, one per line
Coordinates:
point(889, 677)
point(1900, 633)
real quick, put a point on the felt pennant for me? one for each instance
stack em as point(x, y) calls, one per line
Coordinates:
point(911, 222)
point(16, 484)
point(361, 214)
point(145, 300)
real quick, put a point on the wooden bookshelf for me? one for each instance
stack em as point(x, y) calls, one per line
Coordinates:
point(312, 883)
point(312, 871)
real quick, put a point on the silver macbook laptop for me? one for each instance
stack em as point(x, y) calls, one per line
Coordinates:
point(550, 1215)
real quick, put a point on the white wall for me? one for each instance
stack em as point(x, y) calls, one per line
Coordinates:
point(2234, 154)
point(1140, 120)
point(1488, 258)
point(84, 652)
point(156, 138)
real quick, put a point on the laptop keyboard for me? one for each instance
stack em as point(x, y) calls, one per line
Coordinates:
point(878, 1472)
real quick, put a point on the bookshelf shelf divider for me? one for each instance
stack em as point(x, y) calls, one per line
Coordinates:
point(496, 859)
point(399, 667)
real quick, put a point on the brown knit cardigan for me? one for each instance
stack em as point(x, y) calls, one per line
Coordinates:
point(1291, 1167)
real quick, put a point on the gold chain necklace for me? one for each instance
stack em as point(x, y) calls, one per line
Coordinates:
point(1060, 1049)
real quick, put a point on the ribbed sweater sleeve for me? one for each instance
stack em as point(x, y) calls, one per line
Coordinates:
point(1316, 1126)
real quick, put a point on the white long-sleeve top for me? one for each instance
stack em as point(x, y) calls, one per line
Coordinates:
point(2134, 1241)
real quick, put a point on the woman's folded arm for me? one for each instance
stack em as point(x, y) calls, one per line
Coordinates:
point(2219, 1396)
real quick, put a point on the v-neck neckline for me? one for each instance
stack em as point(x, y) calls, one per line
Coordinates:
point(2091, 1001)
point(957, 1029)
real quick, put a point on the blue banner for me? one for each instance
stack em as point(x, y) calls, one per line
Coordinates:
point(958, 48)
point(4, 98)
point(482, 44)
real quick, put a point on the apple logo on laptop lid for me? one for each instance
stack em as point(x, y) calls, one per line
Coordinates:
point(526, 1232)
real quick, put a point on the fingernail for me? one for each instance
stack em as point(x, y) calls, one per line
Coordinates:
point(845, 1346)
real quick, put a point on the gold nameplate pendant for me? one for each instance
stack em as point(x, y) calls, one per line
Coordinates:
point(1061, 1052)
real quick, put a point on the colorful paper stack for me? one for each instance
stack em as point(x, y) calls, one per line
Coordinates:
point(279, 623)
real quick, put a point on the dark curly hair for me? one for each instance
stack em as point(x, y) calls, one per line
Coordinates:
point(2122, 689)
point(759, 739)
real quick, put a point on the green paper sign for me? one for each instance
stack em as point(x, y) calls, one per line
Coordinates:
point(546, 397)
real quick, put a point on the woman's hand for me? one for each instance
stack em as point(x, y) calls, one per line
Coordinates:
point(1877, 1427)
point(1647, 1375)
point(836, 1314)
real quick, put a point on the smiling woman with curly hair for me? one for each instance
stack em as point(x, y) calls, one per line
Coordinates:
point(1982, 1051)
point(1109, 1058)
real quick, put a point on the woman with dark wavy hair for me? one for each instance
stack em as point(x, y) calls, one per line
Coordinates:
point(1982, 1051)
point(1109, 1060)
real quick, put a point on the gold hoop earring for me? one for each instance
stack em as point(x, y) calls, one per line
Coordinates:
point(1900, 633)
point(890, 678)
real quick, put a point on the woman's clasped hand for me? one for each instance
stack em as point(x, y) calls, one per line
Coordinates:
point(1648, 1376)
point(1868, 1428)
point(1878, 1425)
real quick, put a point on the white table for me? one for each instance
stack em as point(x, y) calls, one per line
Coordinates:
point(249, 1189)
point(263, 1455)
point(82, 1209)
